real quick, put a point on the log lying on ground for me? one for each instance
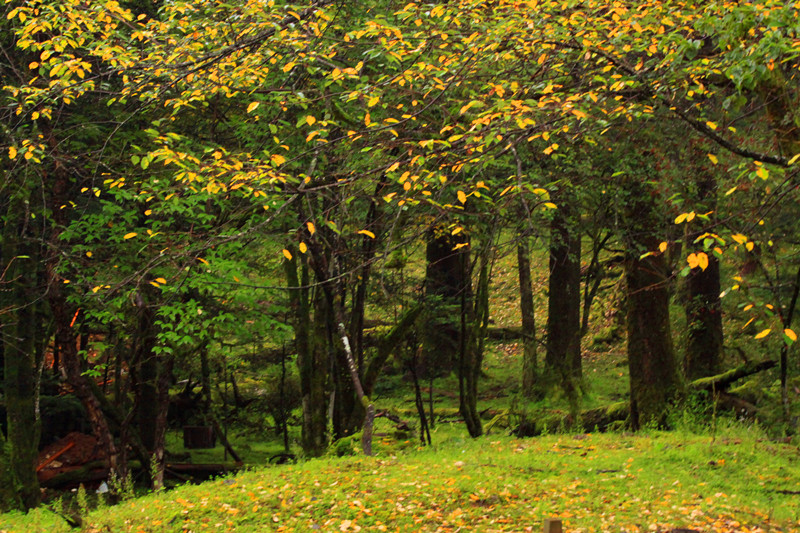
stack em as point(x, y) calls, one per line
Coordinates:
point(722, 381)
point(601, 418)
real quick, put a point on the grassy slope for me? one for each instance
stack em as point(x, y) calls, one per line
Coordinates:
point(615, 482)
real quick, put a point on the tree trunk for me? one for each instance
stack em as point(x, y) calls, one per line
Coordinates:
point(163, 382)
point(146, 364)
point(654, 377)
point(66, 340)
point(703, 322)
point(445, 281)
point(528, 318)
point(703, 306)
point(312, 357)
point(474, 315)
point(563, 356)
point(18, 327)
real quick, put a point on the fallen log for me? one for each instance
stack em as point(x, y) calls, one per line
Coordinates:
point(601, 418)
point(722, 381)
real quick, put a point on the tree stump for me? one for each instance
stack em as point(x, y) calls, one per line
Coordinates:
point(552, 525)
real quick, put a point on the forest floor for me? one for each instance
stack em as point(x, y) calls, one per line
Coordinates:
point(729, 478)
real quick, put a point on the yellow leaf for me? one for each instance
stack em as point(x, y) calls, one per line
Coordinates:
point(12, 152)
point(303, 248)
point(310, 120)
point(373, 101)
point(311, 228)
point(367, 233)
point(680, 218)
point(762, 173)
point(550, 205)
point(762, 334)
point(462, 197)
point(793, 160)
point(713, 158)
point(367, 120)
point(89, 254)
point(253, 106)
point(749, 246)
point(662, 247)
point(394, 166)
point(288, 66)
point(711, 125)
point(692, 260)
point(791, 334)
point(730, 191)
point(550, 149)
point(287, 254)
point(161, 281)
point(278, 159)
point(739, 238)
point(130, 235)
point(460, 245)
point(702, 261)
point(202, 260)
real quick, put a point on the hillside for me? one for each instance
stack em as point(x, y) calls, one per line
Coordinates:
point(726, 480)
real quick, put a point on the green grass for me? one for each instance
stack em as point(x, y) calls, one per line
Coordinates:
point(652, 481)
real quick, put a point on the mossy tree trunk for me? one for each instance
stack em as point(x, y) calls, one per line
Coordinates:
point(145, 370)
point(445, 281)
point(703, 306)
point(18, 297)
point(563, 358)
point(528, 318)
point(474, 317)
point(312, 357)
point(655, 380)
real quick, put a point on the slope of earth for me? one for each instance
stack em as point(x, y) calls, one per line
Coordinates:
point(728, 480)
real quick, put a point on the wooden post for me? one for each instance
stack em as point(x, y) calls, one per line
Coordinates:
point(552, 525)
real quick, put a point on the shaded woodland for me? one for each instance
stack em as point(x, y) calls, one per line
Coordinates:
point(326, 190)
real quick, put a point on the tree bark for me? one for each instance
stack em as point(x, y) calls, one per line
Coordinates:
point(445, 281)
point(654, 377)
point(528, 318)
point(474, 318)
point(18, 328)
point(312, 358)
point(563, 356)
point(703, 322)
point(146, 364)
point(703, 306)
